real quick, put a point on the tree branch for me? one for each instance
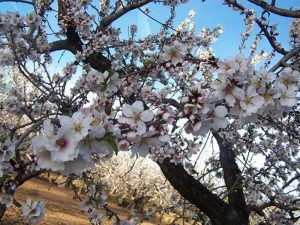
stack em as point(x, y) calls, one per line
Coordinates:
point(116, 15)
point(232, 176)
point(22, 177)
point(287, 57)
point(271, 39)
point(276, 10)
point(74, 43)
point(27, 132)
point(60, 45)
point(194, 191)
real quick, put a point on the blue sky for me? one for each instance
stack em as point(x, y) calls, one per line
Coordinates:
point(208, 14)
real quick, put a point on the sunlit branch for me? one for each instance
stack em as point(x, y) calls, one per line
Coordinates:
point(283, 60)
point(276, 10)
point(27, 133)
point(113, 17)
point(262, 27)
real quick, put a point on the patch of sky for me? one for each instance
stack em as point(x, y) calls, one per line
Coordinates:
point(209, 14)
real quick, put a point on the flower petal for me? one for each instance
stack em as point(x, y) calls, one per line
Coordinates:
point(127, 110)
point(141, 127)
point(146, 116)
point(220, 111)
point(138, 106)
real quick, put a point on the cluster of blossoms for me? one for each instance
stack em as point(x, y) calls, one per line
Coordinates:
point(13, 26)
point(77, 13)
point(42, 108)
point(175, 152)
point(134, 123)
point(104, 84)
point(278, 217)
point(8, 187)
point(202, 116)
point(103, 81)
point(144, 199)
point(71, 148)
point(95, 199)
point(6, 57)
point(247, 91)
point(295, 32)
point(7, 152)
point(33, 212)
point(249, 22)
point(12, 104)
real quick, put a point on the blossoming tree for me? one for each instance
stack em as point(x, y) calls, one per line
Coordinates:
point(161, 96)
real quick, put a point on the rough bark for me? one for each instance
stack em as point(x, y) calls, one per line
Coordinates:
point(2, 210)
point(219, 212)
point(194, 192)
point(233, 180)
point(276, 10)
point(20, 179)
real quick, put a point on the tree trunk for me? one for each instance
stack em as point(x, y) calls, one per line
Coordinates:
point(21, 178)
point(233, 217)
point(2, 210)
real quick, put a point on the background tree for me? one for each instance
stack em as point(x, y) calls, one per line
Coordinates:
point(161, 96)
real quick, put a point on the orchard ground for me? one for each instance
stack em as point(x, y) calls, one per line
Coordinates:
point(61, 208)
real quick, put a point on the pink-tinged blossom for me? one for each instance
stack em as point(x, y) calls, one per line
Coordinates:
point(265, 75)
point(40, 145)
point(33, 20)
point(136, 116)
point(224, 89)
point(7, 151)
point(242, 63)
point(143, 144)
point(96, 78)
point(63, 146)
point(6, 199)
point(268, 95)
point(12, 104)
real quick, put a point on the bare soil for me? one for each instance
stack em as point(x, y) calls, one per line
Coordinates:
point(61, 208)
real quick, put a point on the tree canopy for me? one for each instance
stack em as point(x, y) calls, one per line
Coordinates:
point(163, 96)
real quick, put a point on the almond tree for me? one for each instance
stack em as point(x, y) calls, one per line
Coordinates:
point(160, 96)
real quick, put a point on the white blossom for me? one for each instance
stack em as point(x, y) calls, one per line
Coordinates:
point(79, 124)
point(250, 101)
point(33, 211)
point(136, 116)
point(174, 53)
point(63, 145)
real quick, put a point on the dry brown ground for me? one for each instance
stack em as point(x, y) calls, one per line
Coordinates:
point(61, 208)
